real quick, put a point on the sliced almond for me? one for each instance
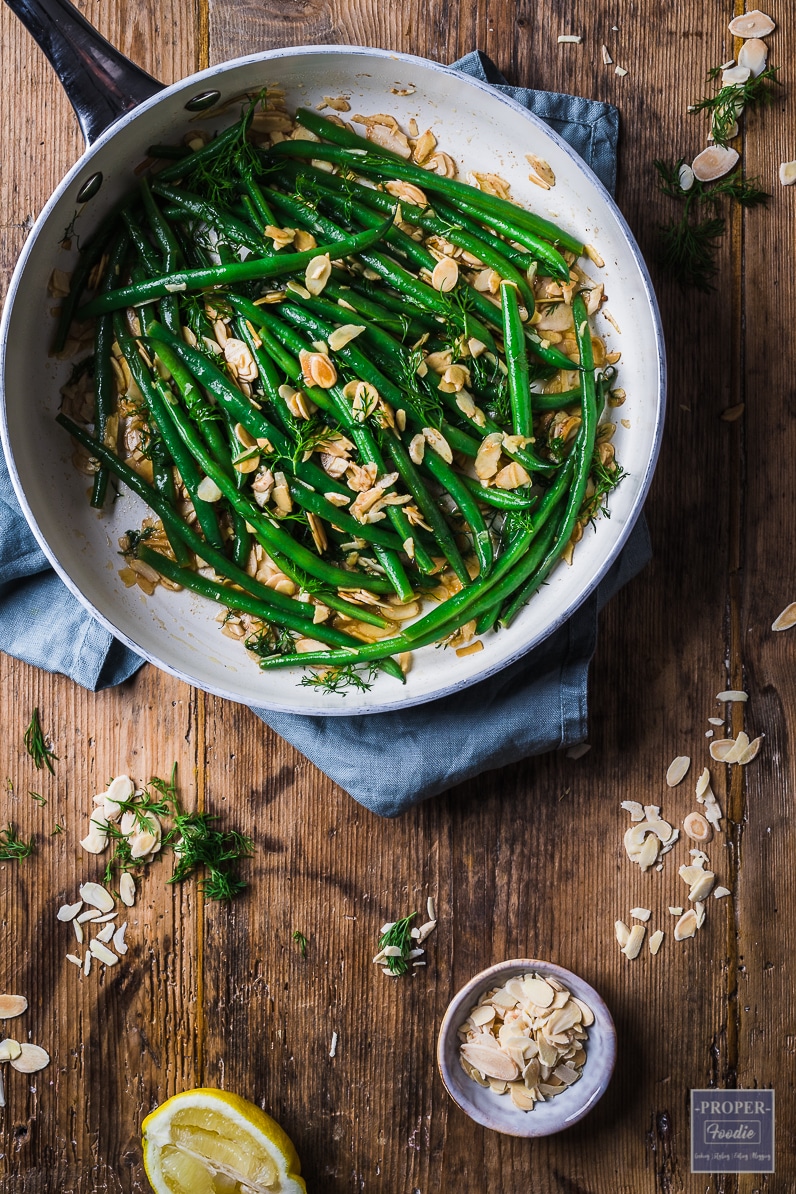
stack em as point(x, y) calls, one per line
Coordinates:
point(635, 809)
point(96, 839)
point(119, 943)
point(634, 942)
point(538, 991)
point(12, 1005)
point(697, 828)
point(445, 275)
point(739, 746)
point(720, 892)
point(714, 162)
point(97, 896)
point(622, 933)
point(787, 618)
point(74, 959)
point(127, 889)
point(686, 925)
point(69, 911)
point(102, 953)
point(677, 770)
point(9, 1049)
point(752, 24)
point(491, 1062)
point(106, 933)
point(753, 55)
point(734, 76)
point(787, 176)
point(587, 1015)
point(344, 335)
point(31, 1059)
point(732, 694)
point(703, 887)
point(655, 941)
point(721, 748)
point(207, 490)
point(751, 751)
point(89, 914)
point(641, 913)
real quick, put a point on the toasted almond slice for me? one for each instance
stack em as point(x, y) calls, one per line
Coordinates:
point(69, 911)
point(12, 1005)
point(31, 1059)
point(622, 933)
point(97, 896)
point(676, 911)
point(735, 75)
point(445, 274)
point(741, 743)
point(344, 335)
point(752, 24)
point(634, 808)
point(732, 694)
point(655, 941)
point(538, 991)
point(634, 942)
point(641, 913)
point(697, 828)
point(753, 55)
point(102, 953)
point(720, 892)
point(714, 162)
point(787, 618)
point(721, 748)
point(207, 490)
point(677, 770)
point(9, 1049)
point(703, 887)
point(751, 752)
point(587, 1015)
point(686, 925)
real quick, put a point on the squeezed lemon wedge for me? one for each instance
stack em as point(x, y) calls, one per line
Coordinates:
point(211, 1142)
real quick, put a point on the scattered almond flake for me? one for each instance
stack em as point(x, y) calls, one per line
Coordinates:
point(471, 648)
point(732, 413)
point(641, 913)
point(87, 962)
point(752, 24)
point(542, 169)
point(655, 941)
point(97, 896)
point(622, 933)
point(676, 911)
point(592, 254)
point(607, 59)
point(713, 162)
point(106, 933)
point(207, 490)
point(720, 892)
point(69, 911)
point(735, 75)
point(721, 748)
point(77, 926)
point(425, 930)
point(89, 914)
point(379, 956)
point(634, 942)
point(577, 752)
point(570, 39)
point(101, 920)
point(74, 958)
point(732, 694)
point(709, 733)
point(677, 770)
point(634, 808)
point(620, 70)
point(333, 1046)
point(431, 909)
point(686, 925)
point(127, 889)
point(738, 748)
point(787, 176)
point(389, 973)
point(32, 1058)
point(102, 953)
point(753, 54)
point(697, 828)
point(671, 843)
point(119, 943)
point(715, 721)
point(607, 314)
point(652, 812)
point(699, 908)
point(703, 887)
point(9, 1049)
point(751, 751)
point(386, 928)
point(685, 176)
point(787, 618)
point(699, 857)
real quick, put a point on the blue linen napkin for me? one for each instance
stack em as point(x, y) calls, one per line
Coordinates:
point(537, 704)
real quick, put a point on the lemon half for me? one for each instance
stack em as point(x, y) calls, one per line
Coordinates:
point(210, 1142)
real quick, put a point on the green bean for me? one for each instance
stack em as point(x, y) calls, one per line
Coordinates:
point(201, 157)
point(220, 275)
point(210, 214)
point(517, 360)
point(104, 386)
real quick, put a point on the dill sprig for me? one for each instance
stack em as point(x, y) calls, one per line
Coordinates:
point(215, 852)
point(37, 796)
point(36, 744)
point(606, 477)
point(398, 936)
point(301, 941)
point(341, 679)
point(688, 247)
point(12, 846)
point(727, 104)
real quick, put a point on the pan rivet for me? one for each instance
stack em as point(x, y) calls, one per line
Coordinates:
point(89, 188)
point(205, 100)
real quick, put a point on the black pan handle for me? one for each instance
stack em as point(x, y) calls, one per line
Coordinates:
point(100, 83)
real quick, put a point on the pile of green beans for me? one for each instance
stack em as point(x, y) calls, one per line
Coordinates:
point(285, 244)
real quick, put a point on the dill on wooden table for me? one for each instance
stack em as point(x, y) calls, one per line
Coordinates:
point(14, 847)
point(727, 104)
point(398, 936)
point(36, 744)
point(301, 941)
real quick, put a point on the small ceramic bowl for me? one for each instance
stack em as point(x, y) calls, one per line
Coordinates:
point(497, 1111)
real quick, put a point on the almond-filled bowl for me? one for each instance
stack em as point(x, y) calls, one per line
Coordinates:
point(526, 1048)
point(484, 133)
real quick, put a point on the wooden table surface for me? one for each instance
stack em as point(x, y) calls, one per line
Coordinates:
point(524, 861)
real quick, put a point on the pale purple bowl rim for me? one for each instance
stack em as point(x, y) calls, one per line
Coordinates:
point(469, 994)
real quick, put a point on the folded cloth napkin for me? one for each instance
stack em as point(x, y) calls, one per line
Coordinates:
point(537, 704)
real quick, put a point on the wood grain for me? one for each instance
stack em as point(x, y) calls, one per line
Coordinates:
point(525, 861)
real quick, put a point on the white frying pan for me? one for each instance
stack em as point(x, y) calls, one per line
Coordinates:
point(122, 111)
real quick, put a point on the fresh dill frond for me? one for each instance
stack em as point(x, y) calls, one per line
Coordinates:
point(301, 942)
point(12, 846)
point(215, 853)
point(134, 538)
point(422, 399)
point(399, 937)
point(339, 680)
point(58, 829)
point(605, 477)
point(38, 798)
point(271, 640)
point(727, 104)
point(36, 744)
